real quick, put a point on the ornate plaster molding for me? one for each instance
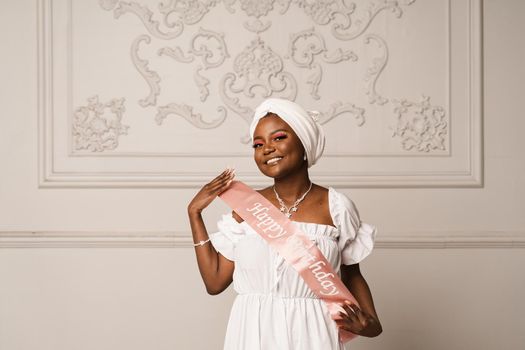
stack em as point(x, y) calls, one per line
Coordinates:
point(420, 125)
point(57, 167)
point(375, 69)
point(349, 24)
point(305, 46)
point(259, 68)
point(190, 11)
point(98, 126)
point(257, 26)
point(145, 15)
point(202, 83)
point(212, 56)
point(337, 108)
point(187, 113)
point(256, 8)
point(151, 77)
point(177, 54)
point(108, 5)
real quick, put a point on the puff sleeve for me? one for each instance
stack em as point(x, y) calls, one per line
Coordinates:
point(224, 241)
point(356, 238)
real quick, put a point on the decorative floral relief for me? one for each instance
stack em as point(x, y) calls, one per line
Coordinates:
point(212, 55)
point(257, 8)
point(151, 77)
point(314, 80)
point(145, 15)
point(338, 108)
point(186, 112)
point(324, 11)
point(187, 12)
point(228, 5)
point(97, 126)
point(347, 23)
point(375, 69)
point(208, 45)
point(108, 5)
point(190, 11)
point(202, 82)
point(420, 125)
point(257, 26)
point(284, 5)
point(351, 28)
point(305, 46)
point(258, 70)
point(176, 53)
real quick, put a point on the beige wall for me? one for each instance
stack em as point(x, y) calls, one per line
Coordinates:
point(446, 274)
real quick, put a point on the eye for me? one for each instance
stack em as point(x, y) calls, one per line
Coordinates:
point(257, 144)
point(280, 136)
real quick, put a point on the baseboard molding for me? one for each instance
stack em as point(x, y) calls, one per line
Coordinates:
point(159, 239)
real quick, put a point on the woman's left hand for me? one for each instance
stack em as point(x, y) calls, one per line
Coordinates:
point(354, 320)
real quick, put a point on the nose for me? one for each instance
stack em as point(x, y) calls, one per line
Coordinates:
point(268, 148)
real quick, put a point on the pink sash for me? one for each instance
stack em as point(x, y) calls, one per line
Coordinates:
point(293, 245)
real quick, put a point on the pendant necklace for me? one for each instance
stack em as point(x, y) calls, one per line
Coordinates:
point(288, 211)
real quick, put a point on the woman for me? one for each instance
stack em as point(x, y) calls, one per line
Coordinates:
point(274, 308)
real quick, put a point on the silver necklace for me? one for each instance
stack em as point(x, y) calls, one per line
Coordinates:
point(288, 211)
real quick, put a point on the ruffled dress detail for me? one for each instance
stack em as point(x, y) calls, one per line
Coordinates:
point(274, 308)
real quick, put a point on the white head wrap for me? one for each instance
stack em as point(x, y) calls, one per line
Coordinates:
point(307, 129)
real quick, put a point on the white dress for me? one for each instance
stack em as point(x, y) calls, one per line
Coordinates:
point(275, 309)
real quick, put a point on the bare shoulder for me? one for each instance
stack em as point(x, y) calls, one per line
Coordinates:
point(265, 191)
point(319, 207)
point(268, 193)
point(320, 193)
point(320, 188)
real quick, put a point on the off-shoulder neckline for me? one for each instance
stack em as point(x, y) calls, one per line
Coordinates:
point(330, 191)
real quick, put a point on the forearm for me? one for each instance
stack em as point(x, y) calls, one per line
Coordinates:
point(359, 288)
point(208, 259)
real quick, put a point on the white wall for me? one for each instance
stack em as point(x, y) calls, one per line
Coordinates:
point(446, 274)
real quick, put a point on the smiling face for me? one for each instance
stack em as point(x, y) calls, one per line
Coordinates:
point(277, 149)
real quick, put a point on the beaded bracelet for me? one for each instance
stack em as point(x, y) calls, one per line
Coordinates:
point(201, 243)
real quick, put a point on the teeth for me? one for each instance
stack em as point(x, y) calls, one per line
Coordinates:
point(274, 160)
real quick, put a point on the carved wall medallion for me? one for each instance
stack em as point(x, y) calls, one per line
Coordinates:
point(420, 125)
point(256, 69)
point(97, 126)
point(256, 8)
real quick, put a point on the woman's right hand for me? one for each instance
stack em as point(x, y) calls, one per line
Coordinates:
point(210, 191)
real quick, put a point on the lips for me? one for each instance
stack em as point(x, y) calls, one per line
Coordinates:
point(273, 160)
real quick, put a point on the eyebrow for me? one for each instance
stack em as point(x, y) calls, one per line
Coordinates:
point(273, 132)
